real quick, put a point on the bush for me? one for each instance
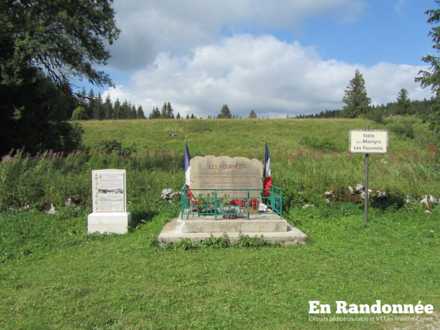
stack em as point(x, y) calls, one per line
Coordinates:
point(403, 126)
point(79, 113)
point(113, 146)
point(376, 116)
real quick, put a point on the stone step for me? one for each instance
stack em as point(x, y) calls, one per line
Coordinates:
point(233, 226)
point(172, 233)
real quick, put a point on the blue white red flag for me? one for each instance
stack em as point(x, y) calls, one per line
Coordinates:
point(187, 165)
point(267, 173)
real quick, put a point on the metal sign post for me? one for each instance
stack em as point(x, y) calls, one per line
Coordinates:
point(366, 189)
point(368, 142)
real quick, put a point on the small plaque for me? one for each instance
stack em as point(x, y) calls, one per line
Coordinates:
point(368, 141)
point(109, 191)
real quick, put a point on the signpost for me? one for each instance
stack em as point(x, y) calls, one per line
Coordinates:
point(368, 142)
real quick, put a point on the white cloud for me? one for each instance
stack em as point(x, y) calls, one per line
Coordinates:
point(150, 27)
point(262, 73)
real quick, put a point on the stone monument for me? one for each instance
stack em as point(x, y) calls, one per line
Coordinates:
point(238, 181)
point(109, 194)
point(225, 174)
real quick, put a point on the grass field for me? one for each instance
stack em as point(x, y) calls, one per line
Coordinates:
point(52, 275)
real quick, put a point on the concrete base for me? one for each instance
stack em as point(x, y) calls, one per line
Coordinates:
point(108, 223)
point(272, 229)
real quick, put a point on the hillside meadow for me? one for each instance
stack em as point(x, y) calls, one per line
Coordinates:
point(52, 275)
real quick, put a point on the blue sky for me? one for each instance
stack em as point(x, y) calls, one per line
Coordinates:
point(387, 31)
point(283, 58)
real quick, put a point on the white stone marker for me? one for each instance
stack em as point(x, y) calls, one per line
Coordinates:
point(109, 203)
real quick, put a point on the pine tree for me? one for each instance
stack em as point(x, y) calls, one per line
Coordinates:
point(108, 108)
point(431, 78)
point(253, 114)
point(91, 106)
point(403, 102)
point(178, 116)
point(44, 46)
point(155, 113)
point(164, 111)
point(356, 100)
point(100, 107)
point(117, 109)
point(192, 116)
point(225, 113)
point(170, 111)
point(133, 112)
point(140, 113)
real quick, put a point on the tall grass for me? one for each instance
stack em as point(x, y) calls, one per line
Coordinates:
point(304, 169)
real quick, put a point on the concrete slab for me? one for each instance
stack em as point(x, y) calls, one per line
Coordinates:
point(174, 231)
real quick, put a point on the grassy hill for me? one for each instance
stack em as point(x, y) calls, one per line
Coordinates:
point(52, 275)
point(307, 155)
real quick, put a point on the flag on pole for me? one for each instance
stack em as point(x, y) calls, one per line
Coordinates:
point(187, 165)
point(267, 174)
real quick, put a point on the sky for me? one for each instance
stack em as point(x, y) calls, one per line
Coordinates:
point(279, 58)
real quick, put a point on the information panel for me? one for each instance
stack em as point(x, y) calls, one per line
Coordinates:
point(368, 141)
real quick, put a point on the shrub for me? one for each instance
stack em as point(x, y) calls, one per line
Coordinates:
point(79, 113)
point(113, 146)
point(403, 126)
point(376, 116)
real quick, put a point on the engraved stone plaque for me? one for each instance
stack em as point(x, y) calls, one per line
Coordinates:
point(227, 173)
point(109, 191)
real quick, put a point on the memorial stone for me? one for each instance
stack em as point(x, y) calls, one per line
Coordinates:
point(109, 195)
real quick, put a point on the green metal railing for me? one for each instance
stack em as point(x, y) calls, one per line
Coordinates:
point(228, 203)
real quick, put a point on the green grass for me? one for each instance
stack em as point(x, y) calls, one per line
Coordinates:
point(309, 157)
point(53, 275)
point(60, 278)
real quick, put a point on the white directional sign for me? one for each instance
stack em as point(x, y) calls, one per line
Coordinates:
point(368, 141)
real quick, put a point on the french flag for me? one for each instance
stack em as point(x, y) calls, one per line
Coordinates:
point(267, 174)
point(187, 165)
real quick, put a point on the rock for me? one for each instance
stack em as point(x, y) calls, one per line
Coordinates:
point(68, 202)
point(428, 212)
point(262, 207)
point(306, 206)
point(168, 194)
point(359, 188)
point(428, 201)
point(72, 201)
point(351, 190)
point(381, 194)
point(7, 158)
point(329, 194)
point(51, 210)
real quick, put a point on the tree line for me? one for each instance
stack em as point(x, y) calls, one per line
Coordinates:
point(94, 107)
point(46, 44)
point(358, 104)
point(167, 112)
